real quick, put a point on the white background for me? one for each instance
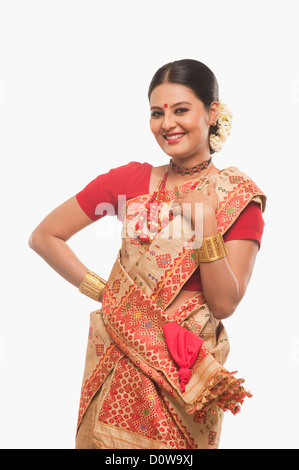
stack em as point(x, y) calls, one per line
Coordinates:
point(73, 104)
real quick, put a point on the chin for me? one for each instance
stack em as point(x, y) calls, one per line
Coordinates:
point(176, 153)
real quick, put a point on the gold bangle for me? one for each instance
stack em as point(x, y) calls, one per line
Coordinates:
point(92, 285)
point(212, 248)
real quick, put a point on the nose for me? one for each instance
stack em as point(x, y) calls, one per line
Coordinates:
point(168, 122)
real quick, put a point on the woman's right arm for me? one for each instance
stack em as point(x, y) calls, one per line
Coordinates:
point(49, 239)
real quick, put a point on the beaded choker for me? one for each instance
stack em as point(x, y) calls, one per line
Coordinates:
point(189, 171)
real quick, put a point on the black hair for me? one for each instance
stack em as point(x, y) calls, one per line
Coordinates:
point(192, 74)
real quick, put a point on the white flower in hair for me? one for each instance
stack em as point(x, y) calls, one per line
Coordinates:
point(224, 128)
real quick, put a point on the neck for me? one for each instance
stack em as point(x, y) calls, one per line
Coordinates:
point(193, 158)
point(197, 168)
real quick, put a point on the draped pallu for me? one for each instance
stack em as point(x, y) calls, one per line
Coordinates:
point(141, 402)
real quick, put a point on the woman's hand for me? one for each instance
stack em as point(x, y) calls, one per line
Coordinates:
point(208, 199)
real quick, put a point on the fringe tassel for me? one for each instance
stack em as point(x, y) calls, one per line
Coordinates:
point(225, 389)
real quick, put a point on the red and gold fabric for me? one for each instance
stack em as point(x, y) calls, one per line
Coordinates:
point(129, 369)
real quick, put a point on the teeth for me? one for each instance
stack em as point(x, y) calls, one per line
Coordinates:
point(176, 136)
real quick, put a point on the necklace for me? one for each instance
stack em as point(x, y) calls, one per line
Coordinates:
point(189, 171)
point(152, 215)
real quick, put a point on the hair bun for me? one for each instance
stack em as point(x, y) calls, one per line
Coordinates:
point(224, 125)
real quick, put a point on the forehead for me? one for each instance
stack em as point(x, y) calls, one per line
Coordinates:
point(171, 93)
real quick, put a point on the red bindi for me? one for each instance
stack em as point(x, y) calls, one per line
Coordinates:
point(165, 105)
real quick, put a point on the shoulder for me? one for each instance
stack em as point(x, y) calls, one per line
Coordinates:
point(129, 179)
point(132, 177)
point(234, 174)
point(117, 178)
point(249, 225)
point(133, 166)
point(120, 176)
point(233, 182)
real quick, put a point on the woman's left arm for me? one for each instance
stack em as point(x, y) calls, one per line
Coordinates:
point(225, 280)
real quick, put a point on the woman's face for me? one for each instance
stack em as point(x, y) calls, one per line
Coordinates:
point(180, 122)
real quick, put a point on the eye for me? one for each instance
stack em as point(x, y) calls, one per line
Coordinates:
point(156, 114)
point(181, 110)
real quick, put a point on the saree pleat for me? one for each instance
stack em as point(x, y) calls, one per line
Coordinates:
point(143, 406)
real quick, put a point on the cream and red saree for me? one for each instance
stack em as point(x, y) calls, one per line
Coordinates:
point(129, 370)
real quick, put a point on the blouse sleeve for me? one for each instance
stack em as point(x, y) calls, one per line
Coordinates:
point(249, 225)
point(101, 196)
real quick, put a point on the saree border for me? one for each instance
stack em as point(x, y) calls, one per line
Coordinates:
point(139, 340)
point(163, 286)
point(90, 387)
point(209, 379)
point(235, 191)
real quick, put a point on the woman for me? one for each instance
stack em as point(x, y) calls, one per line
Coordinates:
point(154, 375)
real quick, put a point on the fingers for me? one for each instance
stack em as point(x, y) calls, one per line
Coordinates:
point(212, 185)
point(175, 208)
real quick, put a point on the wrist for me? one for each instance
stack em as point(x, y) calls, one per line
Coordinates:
point(212, 248)
point(209, 225)
point(93, 286)
point(207, 215)
point(207, 228)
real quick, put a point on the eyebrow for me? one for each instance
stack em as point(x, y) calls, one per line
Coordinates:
point(176, 104)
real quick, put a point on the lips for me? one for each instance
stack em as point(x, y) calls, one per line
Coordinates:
point(174, 136)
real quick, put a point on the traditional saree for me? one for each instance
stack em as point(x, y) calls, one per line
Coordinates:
point(130, 379)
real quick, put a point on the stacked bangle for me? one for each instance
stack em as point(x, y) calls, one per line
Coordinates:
point(92, 285)
point(212, 248)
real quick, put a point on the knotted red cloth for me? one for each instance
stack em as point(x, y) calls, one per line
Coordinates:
point(184, 347)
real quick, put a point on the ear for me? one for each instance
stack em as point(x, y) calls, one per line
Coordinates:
point(214, 111)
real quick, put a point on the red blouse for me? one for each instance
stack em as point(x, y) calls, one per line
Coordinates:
point(133, 180)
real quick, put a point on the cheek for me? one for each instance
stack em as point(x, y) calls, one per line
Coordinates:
point(190, 122)
point(196, 125)
point(155, 128)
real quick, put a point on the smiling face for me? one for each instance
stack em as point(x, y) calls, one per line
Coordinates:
point(180, 122)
